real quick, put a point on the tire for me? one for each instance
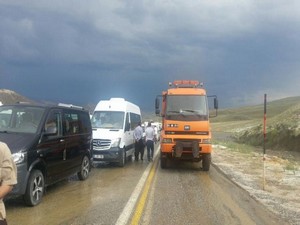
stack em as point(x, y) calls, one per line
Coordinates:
point(206, 159)
point(35, 188)
point(84, 169)
point(163, 163)
point(122, 158)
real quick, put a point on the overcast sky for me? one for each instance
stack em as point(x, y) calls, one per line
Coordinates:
point(80, 52)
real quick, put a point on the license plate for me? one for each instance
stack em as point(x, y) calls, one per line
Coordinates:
point(99, 156)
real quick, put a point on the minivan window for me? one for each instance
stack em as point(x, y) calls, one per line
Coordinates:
point(71, 123)
point(84, 122)
point(108, 120)
point(53, 123)
point(20, 119)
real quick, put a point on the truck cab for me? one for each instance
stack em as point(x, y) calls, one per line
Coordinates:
point(186, 133)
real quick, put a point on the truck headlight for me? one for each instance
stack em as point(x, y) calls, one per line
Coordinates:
point(115, 142)
point(167, 140)
point(206, 141)
point(18, 157)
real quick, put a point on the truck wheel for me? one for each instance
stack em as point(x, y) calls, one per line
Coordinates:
point(35, 188)
point(163, 163)
point(122, 158)
point(84, 169)
point(206, 158)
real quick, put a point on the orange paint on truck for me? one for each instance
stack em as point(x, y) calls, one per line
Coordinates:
point(186, 132)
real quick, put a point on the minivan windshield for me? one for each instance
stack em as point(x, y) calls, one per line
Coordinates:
point(108, 119)
point(20, 119)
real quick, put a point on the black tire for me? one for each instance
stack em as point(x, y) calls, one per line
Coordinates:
point(206, 159)
point(163, 163)
point(35, 188)
point(129, 158)
point(84, 169)
point(122, 158)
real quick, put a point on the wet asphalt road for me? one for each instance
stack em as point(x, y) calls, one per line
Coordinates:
point(180, 194)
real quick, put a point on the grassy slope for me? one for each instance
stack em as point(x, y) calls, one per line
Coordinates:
point(245, 123)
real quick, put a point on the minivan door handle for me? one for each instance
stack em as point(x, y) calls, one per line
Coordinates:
point(65, 154)
point(62, 140)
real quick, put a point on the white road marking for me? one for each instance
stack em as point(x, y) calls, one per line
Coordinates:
point(128, 209)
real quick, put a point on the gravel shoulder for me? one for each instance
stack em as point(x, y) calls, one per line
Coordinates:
point(278, 188)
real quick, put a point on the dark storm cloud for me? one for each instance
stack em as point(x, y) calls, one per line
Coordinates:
point(84, 51)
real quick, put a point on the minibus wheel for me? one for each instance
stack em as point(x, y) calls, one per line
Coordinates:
point(122, 158)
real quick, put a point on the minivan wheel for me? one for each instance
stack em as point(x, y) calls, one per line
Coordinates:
point(85, 169)
point(35, 188)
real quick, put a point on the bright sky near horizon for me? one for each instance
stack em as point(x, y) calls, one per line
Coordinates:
point(81, 52)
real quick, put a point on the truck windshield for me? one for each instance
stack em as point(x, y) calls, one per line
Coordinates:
point(108, 119)
point(186, 107)
point(20, 119)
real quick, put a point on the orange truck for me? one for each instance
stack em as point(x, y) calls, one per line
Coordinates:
point(186, 132)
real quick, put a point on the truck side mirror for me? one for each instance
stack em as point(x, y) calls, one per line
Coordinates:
point(157, 111)
point(216, 105)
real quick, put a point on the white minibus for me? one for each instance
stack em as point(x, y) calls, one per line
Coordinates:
point(113, 122)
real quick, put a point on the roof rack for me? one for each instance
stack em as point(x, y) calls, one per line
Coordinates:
point(23, 102)
point(186, 83)
point(70, 106)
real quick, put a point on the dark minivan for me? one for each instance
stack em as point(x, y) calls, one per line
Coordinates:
point(48, 143)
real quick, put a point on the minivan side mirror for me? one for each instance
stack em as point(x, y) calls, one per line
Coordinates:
point(51, 130)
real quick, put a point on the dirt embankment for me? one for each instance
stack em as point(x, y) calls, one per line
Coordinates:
point(275, 181)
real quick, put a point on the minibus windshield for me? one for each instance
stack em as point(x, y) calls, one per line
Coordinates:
point(108, 119)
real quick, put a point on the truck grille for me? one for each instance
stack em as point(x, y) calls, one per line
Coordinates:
point(188, 132)
point(101, 144)
point(187, 140)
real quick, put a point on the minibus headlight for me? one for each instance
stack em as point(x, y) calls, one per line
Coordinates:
point(18, 157)
point(115, 142)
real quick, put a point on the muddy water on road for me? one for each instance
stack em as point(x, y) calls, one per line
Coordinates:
point(180, 194)
point(184, 195)
point(100, 199)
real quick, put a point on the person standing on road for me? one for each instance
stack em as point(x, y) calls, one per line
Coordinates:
point(155, 133)
point(8, 178)
point(139, 145)
point(150, 138)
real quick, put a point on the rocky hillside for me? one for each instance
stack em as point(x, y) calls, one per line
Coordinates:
point(11, 97)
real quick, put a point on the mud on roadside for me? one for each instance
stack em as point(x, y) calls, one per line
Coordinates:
point(278, 189)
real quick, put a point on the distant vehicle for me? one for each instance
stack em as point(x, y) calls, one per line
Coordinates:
point(186, 133)
point(157, 129)
point(113, 123)
point(48, 144)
